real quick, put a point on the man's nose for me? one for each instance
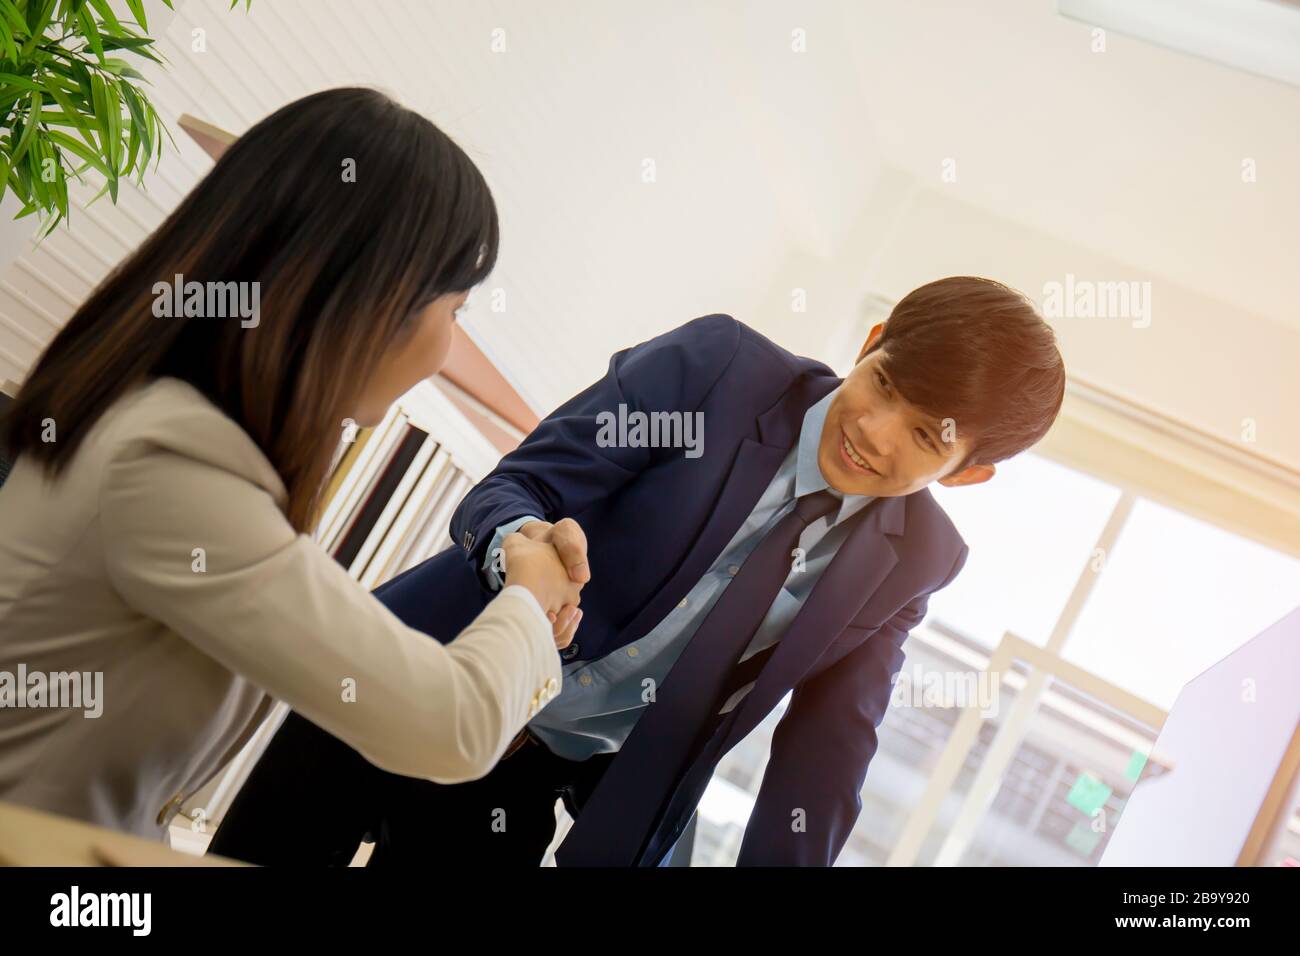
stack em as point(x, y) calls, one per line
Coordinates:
point(878, 430)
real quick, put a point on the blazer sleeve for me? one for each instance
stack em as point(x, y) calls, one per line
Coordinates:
point(811, 794)
point(564, 466)
point(208, 554)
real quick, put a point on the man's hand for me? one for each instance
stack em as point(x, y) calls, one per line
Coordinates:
point(570, 543)
point(536, 565)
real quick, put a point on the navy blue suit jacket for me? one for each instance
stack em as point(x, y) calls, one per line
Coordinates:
point(655, 521)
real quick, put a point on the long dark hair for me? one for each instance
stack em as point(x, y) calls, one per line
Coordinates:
point(351, 212)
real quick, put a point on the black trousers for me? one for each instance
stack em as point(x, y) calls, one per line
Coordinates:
point(311, 800)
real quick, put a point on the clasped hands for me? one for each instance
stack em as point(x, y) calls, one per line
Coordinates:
point(550, 560)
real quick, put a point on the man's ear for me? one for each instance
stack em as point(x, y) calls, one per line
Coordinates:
point(974, 475)
point(876, 331)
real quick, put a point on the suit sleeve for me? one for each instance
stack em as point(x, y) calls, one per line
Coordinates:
point(811, 792)
point(209, 556)
point(566, 463)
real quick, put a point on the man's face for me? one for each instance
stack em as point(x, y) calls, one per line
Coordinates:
point(877, 443)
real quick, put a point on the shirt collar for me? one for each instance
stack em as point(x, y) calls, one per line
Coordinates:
point(808, 474)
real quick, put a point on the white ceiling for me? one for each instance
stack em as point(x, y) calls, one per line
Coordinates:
point(1135, 152)
point(766, 160)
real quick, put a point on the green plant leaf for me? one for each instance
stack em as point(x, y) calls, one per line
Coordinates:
point(56, 78)
point(155, 125)
point(137, 10)
point(107, 15)
point(139, 119)
point(39, 13)
point(132, 43)
point(40, 192)
point(133, 146)
point(63, 118)
point(9, 10)
point(61, 188)
point(29, 128)
point(93, 158)
point(76, 111)
point(82, 76)
point(92, 33)
point(113, 100)
point(58, 73)
point(162, 126)
point(100, 195)
point(126, 42)
point(24, 188)
point(46, 230)
point(22, 82)
point(100, 111)
point(10, 49)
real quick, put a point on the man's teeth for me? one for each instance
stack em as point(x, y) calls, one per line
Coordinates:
point(857, 459)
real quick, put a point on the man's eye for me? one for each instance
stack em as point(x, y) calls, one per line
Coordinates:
point(881, 379)
point(925, 436)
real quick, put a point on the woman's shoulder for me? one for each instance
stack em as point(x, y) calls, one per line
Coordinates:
point(167, 417)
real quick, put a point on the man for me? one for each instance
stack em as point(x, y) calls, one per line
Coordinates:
point(788, 546)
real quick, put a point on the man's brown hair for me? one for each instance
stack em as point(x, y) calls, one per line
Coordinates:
point(977, 352)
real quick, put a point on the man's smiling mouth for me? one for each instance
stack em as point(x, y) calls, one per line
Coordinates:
point(854, 458)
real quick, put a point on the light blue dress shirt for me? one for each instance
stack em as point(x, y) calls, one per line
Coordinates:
point(602, 699)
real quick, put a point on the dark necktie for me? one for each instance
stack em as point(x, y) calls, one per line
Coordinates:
point(610, 828)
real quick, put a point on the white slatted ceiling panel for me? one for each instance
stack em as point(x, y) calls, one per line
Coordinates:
point(592, 259)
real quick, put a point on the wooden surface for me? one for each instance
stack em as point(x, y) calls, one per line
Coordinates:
point(32, 838)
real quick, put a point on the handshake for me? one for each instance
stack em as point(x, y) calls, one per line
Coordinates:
point(550, 560)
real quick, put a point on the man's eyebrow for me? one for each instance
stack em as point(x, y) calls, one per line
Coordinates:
point(929, 421)
point(934, 424)
point(938, 426)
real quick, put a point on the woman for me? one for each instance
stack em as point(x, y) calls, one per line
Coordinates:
point(171, 452)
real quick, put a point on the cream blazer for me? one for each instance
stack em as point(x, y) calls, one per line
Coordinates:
point(101, 573)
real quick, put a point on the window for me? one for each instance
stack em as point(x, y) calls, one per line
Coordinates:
point(1030, 530)
point(1175, 596)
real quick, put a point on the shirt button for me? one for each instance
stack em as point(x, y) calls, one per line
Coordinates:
point(733, 570)
point(632, 652)
point(585, 680)
point(682, 603)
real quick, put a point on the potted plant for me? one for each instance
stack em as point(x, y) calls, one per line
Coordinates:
point(72, 103)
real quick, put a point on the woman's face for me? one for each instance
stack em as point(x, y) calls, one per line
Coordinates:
point(417, 356)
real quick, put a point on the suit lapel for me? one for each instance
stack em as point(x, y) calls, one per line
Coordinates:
point(751, 471)
point(863, 561)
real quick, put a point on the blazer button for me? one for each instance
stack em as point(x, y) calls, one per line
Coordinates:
point(552, 687)
point(570, 652)
point(170, 809)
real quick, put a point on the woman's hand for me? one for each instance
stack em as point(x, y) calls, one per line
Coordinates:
point(536, 566)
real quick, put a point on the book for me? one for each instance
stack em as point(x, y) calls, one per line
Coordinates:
point(377, 511)
point(361, 478)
